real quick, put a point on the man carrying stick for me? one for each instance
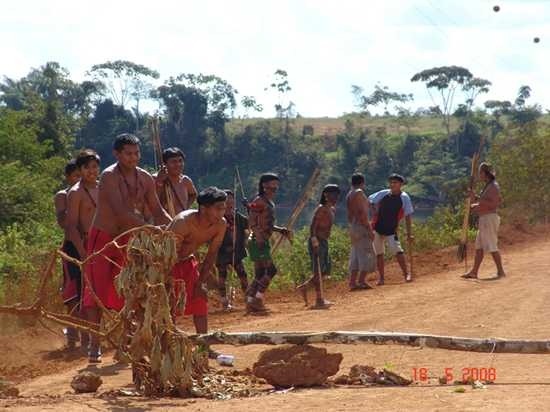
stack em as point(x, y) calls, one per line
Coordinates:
point(171, 177)
point(485, 206)
point(318, 248)
point(262, 225)
point(361, 261)
point(125, 190)
point(391, 205)
point(232, 250)
point(195, 228)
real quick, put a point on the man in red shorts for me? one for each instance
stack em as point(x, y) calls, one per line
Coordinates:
point(125, 190)
point(195, 228)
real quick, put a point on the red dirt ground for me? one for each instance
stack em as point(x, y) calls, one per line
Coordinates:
point(437, 302)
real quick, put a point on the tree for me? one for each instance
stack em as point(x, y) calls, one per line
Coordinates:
point(522, 114)
point(446, 79)
point(123, 80)
point(380, 95)
point(283, 107)
point(250, 103)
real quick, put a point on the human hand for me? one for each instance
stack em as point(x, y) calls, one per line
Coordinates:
point(200, 290)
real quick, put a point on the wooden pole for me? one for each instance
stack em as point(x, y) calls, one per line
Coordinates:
point(488, 345)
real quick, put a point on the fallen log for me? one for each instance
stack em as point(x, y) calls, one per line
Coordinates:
point(490, 345)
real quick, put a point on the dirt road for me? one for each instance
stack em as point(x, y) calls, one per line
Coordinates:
point(436, 302)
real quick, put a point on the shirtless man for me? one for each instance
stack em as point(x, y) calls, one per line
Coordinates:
point(171, 178)
point(81, 205)
point(361, 260)
point(390, 206)
point(69, 289)
point(195, 228)
point(318, 248)
point(232, 250)
point(125, 190)
point(261, 222)
point(486, 206)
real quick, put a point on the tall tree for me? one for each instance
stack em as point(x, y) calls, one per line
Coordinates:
point(125, 80)
point(380, 96)
point(446, 80)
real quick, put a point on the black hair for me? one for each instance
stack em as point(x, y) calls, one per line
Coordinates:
point(330, 188)
point(172, 152)
point(86, 156)
point(395, 176)
point(357, 179)
point(123, 139)
point(265, 178)
point(70, 167)
point(229, 192)
point(211, 195)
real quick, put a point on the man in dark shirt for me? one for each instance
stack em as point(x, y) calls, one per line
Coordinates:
point(391, 206)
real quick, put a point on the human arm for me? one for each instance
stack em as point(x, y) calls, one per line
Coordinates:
point(160, 216)
point(209, 259)
point(60, 203)
point(72, 219)
point(191, 190)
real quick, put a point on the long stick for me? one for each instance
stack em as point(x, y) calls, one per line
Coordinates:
point(300, 204)
point(463, 246)
point(490, 345)
point(157, 146)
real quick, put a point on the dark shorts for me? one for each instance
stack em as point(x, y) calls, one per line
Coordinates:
point(72, 277)
point(258, 254)
point(322, 257)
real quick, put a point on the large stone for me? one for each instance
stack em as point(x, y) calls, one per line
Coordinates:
point(297, 365)
point(86, 382)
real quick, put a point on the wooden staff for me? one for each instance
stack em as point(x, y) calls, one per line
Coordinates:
point(462, 251)
point(302, 201)
point(157, 150)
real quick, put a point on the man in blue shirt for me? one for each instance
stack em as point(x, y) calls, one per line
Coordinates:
point(391, 206)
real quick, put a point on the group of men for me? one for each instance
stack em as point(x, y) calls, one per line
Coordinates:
point(93, 212)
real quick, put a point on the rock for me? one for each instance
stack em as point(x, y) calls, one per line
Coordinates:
point(364, 373)
point(86, 382)
point(297, 365)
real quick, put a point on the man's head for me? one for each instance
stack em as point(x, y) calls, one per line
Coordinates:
point(212, 204)
point(486, 172)
point(330, 195)
point(358, 181)
point(72, 174)
point(126, 150)
point(88, 162)
point(269, 184)
point(174, 159)
point(229, 202)
point(396, 181)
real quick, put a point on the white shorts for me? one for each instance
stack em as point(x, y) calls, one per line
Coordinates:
point(487, 233)
point(381, 240)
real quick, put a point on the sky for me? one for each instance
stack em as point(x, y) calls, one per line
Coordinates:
point(325, 46)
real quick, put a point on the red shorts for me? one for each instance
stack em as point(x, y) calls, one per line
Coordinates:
point(102, 272)
point(188, 272)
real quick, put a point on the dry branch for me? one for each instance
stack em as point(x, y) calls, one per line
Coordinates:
point(495, 345)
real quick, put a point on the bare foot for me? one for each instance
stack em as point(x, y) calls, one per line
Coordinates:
point(469, 275)
point(501, 275)
point(380, 282)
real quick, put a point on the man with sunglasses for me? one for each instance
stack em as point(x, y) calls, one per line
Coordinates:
point(262, 225)
point(171, 178)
